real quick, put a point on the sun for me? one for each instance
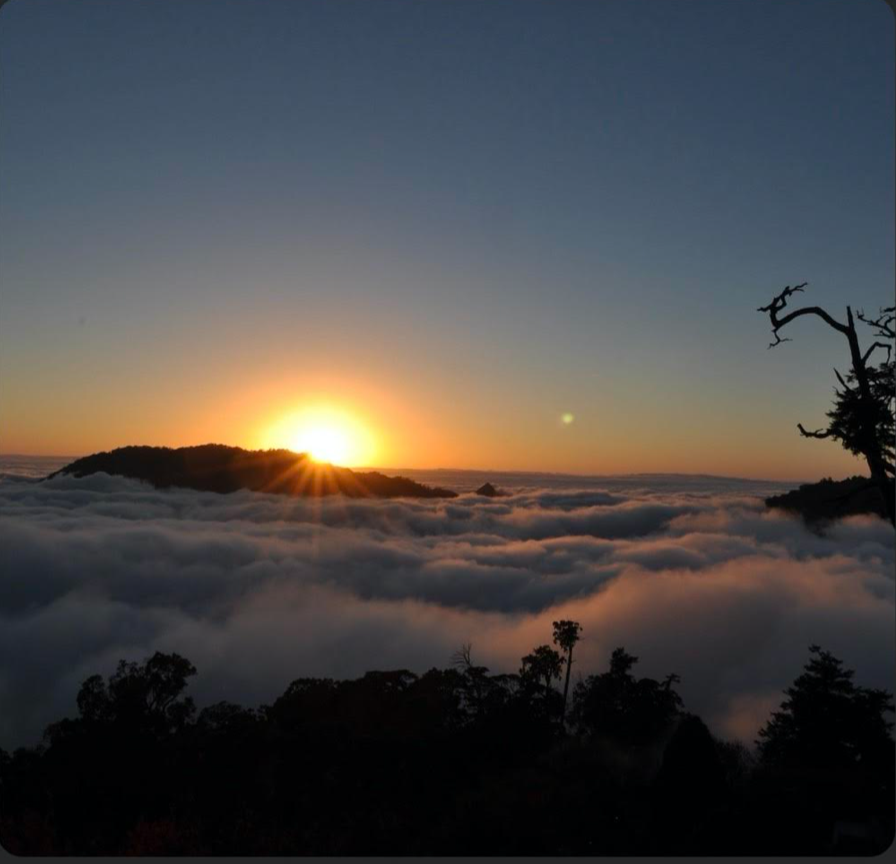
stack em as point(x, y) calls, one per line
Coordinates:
point(325, 433)
point(323, 443)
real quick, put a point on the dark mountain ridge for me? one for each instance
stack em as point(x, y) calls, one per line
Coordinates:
point(219, 468)
point(489, 491)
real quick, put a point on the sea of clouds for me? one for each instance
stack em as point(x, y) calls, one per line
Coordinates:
point(693, 575)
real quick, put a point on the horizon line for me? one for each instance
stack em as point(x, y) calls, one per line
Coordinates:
point(588, 475)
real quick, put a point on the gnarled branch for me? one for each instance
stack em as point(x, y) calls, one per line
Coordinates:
point(811, 310)
point(884, 322)
point(779, 303)
point(773, 308)
point(778, 341)
point(877, 345)
point(818, 433)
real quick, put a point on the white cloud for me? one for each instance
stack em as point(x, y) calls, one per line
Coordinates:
point(259, 589)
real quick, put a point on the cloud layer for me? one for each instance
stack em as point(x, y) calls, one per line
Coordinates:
point(693, 577)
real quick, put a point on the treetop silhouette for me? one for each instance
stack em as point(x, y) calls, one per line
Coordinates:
point(453, 761)
point(862, 418)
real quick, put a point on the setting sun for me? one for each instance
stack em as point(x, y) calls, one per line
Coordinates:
point(326, 434)
point(323, 444)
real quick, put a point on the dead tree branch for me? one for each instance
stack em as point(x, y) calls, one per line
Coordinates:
point(884, 323)
point(780, 302)
point(462, 659)
point(778, 341)
point(840, 379)
point(818, 433)
point(876, 345)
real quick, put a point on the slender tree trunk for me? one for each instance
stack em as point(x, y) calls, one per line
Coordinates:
point(870, 444)
point(886, 487)
point(566, 685)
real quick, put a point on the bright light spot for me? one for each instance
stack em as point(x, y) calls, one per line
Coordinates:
point(323, 444)
point(326, 434)
point(567, 418)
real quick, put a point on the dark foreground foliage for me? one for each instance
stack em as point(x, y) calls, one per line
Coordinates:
point(822, 502)
point(455, 761)
point(218, 468)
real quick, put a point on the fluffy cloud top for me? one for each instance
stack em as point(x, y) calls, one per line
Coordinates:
point(694, 578)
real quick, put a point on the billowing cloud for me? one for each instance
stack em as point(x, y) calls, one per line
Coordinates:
point(696, 578)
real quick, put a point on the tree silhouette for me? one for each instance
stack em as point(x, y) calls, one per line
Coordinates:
point(455, 761)
point(827, 720)
point(846, 415)
point(140, 697)
point(566, 634)
point(618, 706)
point(826, 758)
point(541, 667)
point(862, 419)
point(474, 682)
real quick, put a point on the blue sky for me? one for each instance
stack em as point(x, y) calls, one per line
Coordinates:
point(472, 216)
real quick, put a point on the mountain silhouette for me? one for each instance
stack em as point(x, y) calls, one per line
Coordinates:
point(219, 468)
point(490, 491)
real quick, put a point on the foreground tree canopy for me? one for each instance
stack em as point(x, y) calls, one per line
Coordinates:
point(454, 761)
point(862, 418)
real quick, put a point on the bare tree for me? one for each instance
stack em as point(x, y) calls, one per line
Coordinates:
point(476, 683)
point(862, 419)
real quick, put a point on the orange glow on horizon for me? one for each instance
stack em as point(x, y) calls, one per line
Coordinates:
point(359, 420)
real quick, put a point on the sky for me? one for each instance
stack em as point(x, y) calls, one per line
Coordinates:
point(454, 222)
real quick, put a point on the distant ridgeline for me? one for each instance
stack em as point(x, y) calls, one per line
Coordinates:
point(218, 468)
point(832, 499)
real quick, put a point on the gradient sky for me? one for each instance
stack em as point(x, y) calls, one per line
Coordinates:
point(457, 220)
